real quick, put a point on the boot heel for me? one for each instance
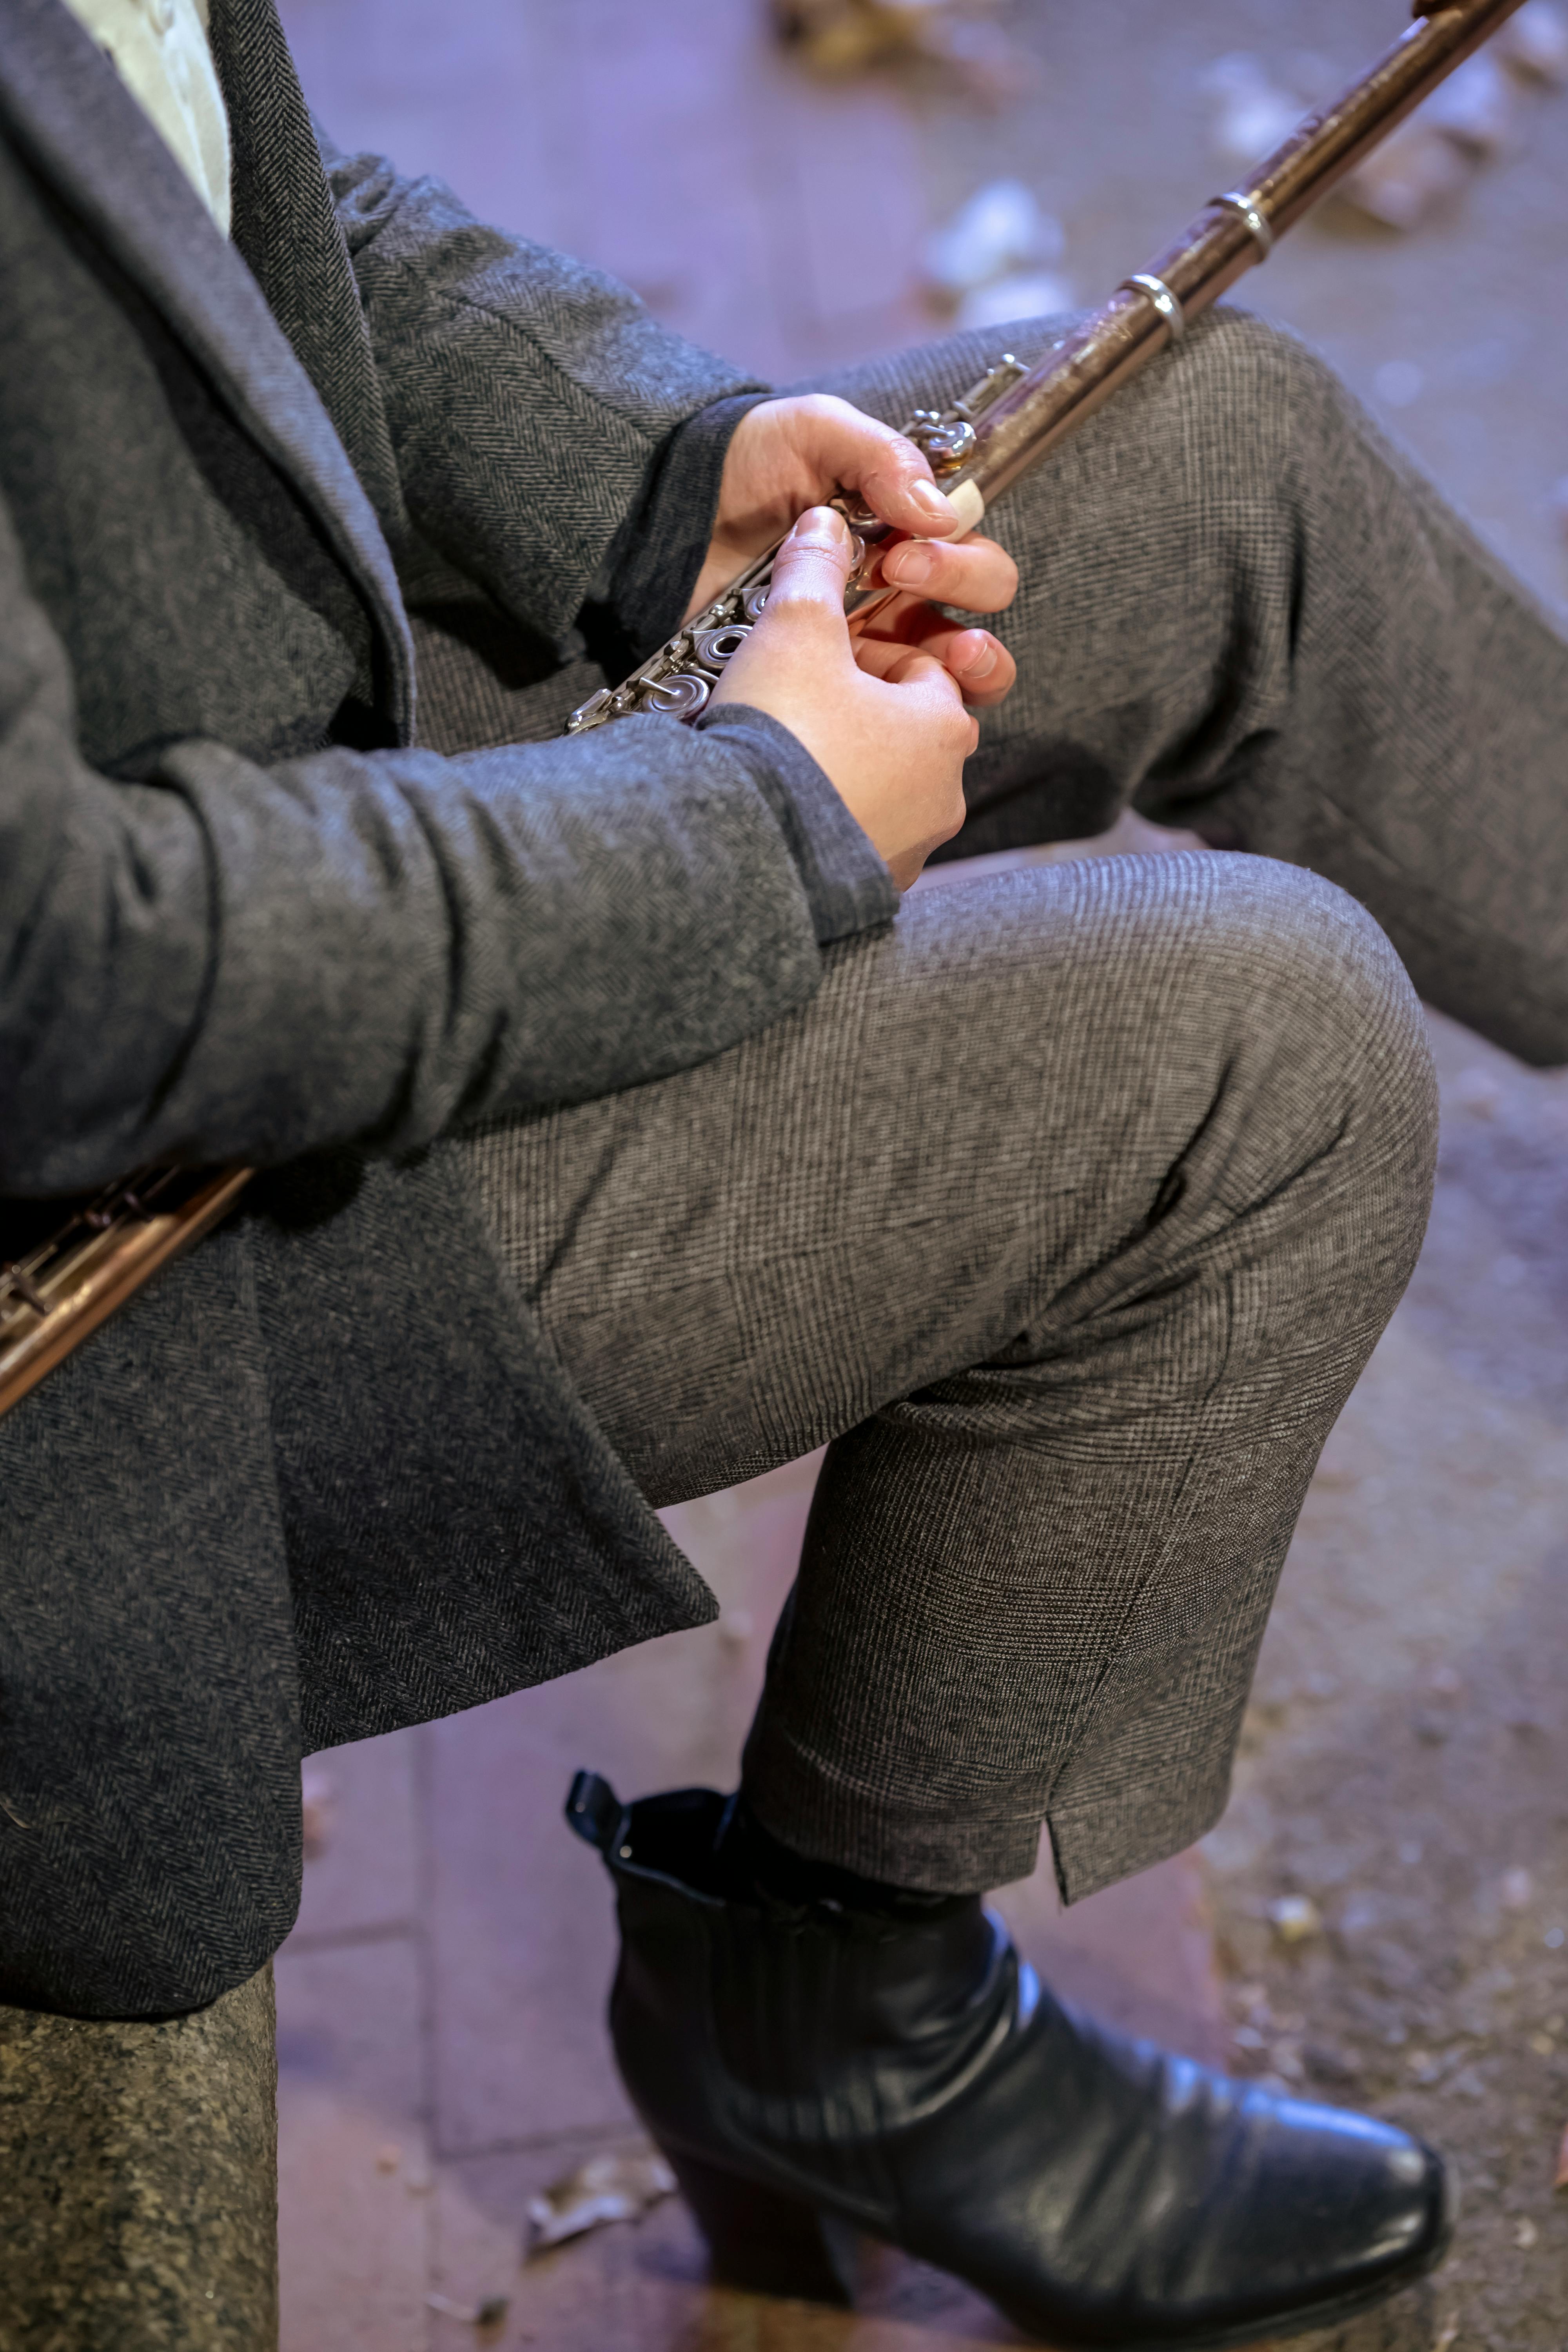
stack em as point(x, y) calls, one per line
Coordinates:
point(758, 2239)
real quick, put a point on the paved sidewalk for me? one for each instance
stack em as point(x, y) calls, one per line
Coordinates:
point(778, 223)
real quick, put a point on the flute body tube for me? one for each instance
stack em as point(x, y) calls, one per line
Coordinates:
point(1010, 421)
point(1233, 233)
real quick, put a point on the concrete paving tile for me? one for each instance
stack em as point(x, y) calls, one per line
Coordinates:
point(351, 2020)
point(522, 1929)
point(365, 1876)
point(644, 2287)
point(709, 175)
point(667, 193)
point(848, 268)
point(521, 1938)
point(680, 152)
point(353, 2238)
point(354, 2176)
point(464, 92)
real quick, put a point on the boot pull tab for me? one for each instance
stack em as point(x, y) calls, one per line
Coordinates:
point(595, 1811)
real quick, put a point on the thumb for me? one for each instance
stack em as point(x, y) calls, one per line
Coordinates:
point(812, 566)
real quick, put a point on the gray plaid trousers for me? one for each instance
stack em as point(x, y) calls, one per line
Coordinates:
point(1071, 1209)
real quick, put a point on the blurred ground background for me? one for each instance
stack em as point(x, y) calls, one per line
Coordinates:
point(1400, 1803)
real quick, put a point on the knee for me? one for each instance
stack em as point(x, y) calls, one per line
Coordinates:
point(1316, 1015)
point(1261, 390)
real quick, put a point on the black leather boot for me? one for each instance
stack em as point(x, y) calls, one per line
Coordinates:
point(808, 2066)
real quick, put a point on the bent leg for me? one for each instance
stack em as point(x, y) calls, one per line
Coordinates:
point(1070, 1210)
point(1244, 610)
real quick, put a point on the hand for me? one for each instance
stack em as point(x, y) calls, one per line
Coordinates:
point(893, 741)
point(788, 455)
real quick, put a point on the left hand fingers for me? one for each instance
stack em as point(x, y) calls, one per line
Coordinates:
point(984, 669)
point(976, 574)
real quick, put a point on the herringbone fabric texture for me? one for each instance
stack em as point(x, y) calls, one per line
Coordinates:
point(328, 1476)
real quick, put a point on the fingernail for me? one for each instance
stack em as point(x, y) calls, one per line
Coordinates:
point(929, 500)
point(981, 661)
point(909, 564)
point(820, 526)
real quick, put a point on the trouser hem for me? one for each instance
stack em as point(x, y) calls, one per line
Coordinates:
point(1091, 1847)
point(830, 1820)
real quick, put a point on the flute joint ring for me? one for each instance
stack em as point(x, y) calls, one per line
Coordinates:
point(1257, 228)
point(1143, 281)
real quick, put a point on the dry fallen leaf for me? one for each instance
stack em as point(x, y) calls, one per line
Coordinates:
point(488, 2314)
point(1295, 1918)
point(1413, 169)
point(1535, 43)
point(606, 2188)
point(1475, 107)
point(839, 38)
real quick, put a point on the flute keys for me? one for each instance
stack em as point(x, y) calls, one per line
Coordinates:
point(948, 442)
point(594, 712)
point(717, 646)
point(682, 696)
point(684, 692)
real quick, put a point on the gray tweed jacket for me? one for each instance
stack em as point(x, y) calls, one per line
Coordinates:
point(325, 1478)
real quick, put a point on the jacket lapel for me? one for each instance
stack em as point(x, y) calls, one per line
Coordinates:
point(65, 106)
point(286, 229)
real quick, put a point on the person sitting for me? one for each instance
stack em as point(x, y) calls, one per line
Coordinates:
point(625, 1132)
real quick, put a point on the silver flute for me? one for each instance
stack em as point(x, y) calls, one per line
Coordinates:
point(1014, 417)
point(678, 679)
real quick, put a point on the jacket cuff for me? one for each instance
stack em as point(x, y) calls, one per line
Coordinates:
point(652, 568)
point(847, 885)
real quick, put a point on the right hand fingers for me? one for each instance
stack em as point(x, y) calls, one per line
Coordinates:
point(922, 680)
point(800, 643)
point(893, 747)
point(974, 573)
point(809, 573)
point(985, 669)
point(928, 680)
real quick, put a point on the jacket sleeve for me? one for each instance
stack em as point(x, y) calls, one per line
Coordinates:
point(232, 961)
point(535, 408)
point(555, 444)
